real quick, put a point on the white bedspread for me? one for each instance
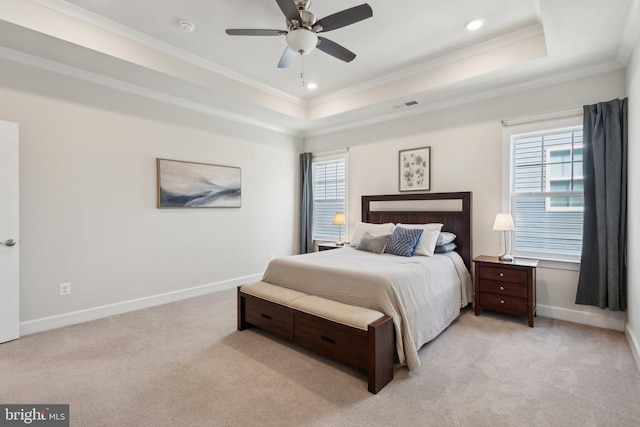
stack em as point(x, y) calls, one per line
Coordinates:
point(422, 294)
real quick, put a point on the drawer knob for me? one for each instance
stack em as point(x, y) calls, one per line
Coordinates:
point(502, 288)
point(501, 301)
point(501, 274)
point(266, 316)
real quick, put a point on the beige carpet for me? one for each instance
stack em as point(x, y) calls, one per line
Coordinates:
point(184, 364)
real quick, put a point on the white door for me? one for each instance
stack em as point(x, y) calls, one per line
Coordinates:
point(9, 228)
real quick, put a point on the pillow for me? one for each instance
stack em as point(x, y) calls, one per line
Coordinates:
point(403, 241)
point(429, 237)
point(445, 237)
point(443, 249)
point(373, 229)
point(371, 243)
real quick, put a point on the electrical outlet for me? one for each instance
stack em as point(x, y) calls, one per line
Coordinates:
point(272, 256)
point(65, 288)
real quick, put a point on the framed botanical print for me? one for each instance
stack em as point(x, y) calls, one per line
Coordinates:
point(415, 169)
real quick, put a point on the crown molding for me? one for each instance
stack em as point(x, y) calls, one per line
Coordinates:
point(99, 79)
point(457, 55)
point(505, 89)
point(166, 48)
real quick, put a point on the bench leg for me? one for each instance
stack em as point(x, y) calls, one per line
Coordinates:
point(381, 347)
point(242, 324)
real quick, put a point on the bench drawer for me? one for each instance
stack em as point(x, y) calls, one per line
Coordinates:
point(339, 342)
point(269, 316)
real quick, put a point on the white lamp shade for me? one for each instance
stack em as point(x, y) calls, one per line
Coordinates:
point(302, 40)
point(503, 222)
point(339, 219)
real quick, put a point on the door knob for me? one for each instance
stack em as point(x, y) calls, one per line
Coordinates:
point(8, 242)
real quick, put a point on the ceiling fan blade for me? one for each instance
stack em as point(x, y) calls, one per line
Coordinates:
point(287, 58)
point(251, 32)
point(344, 18)
point(288, 7)
point(335, 50)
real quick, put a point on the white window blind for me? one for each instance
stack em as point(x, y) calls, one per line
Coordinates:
point(329, 196)
point(547, 193)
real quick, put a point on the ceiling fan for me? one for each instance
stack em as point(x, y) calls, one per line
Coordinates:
point(303, 27)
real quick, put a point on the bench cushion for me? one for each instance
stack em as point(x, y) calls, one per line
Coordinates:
point(350, 315)
point(272, 293)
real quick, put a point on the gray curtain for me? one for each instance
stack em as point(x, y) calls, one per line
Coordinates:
point(306, 203)
point(602, 281)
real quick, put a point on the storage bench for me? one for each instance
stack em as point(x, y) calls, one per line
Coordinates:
point(356, 336)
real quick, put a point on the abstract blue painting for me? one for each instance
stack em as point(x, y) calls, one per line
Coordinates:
point(198, 185)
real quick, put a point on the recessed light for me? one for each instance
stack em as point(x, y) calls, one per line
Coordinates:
point(475, 24)
point(312, 86)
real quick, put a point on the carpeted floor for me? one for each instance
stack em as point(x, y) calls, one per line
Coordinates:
point(184, 364)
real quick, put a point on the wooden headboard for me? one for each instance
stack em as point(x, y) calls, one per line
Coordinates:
point(454, 221)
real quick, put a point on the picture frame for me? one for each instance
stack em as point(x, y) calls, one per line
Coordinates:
point(415, 169)
point(183, 184)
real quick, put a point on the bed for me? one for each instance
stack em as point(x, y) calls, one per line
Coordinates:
point(422, 294)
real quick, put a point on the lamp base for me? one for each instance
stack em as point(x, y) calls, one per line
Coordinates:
point(339, 242)
point(505, 258)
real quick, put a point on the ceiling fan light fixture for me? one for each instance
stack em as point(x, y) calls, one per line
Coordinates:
point(302, 41)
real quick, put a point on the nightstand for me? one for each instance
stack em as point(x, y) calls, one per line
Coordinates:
point(328, 246)
point(508, 287)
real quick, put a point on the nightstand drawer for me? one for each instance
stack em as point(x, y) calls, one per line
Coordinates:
point(503, 288)
point(503, 303)
point(503, 274)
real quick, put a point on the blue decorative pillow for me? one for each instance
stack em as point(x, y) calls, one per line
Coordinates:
point(445, 237)
point(403, 241)
point(446, 248)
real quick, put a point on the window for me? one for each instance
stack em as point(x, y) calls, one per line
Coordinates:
point(564, 174)
point(547, 192)
point(329, 195)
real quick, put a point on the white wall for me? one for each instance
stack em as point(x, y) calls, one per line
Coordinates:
point(88, 199)
point(466, 150)
point(633, 238)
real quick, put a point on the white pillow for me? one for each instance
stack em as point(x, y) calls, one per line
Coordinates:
point(373, 229)
point(427, 242)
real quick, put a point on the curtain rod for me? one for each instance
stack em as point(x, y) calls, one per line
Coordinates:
point(550, 115)
point(331, 152)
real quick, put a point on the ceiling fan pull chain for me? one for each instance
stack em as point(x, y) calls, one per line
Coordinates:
point(302, 67)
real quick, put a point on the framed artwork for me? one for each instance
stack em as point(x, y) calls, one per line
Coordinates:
point(197, 185)
point(415, 169)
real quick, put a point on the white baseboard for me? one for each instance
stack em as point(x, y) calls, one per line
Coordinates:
point(74, 317)
point(617, 323)
point(634, 344)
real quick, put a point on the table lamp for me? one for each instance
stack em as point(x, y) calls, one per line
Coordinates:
point(504, 223)
point(339, 220)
